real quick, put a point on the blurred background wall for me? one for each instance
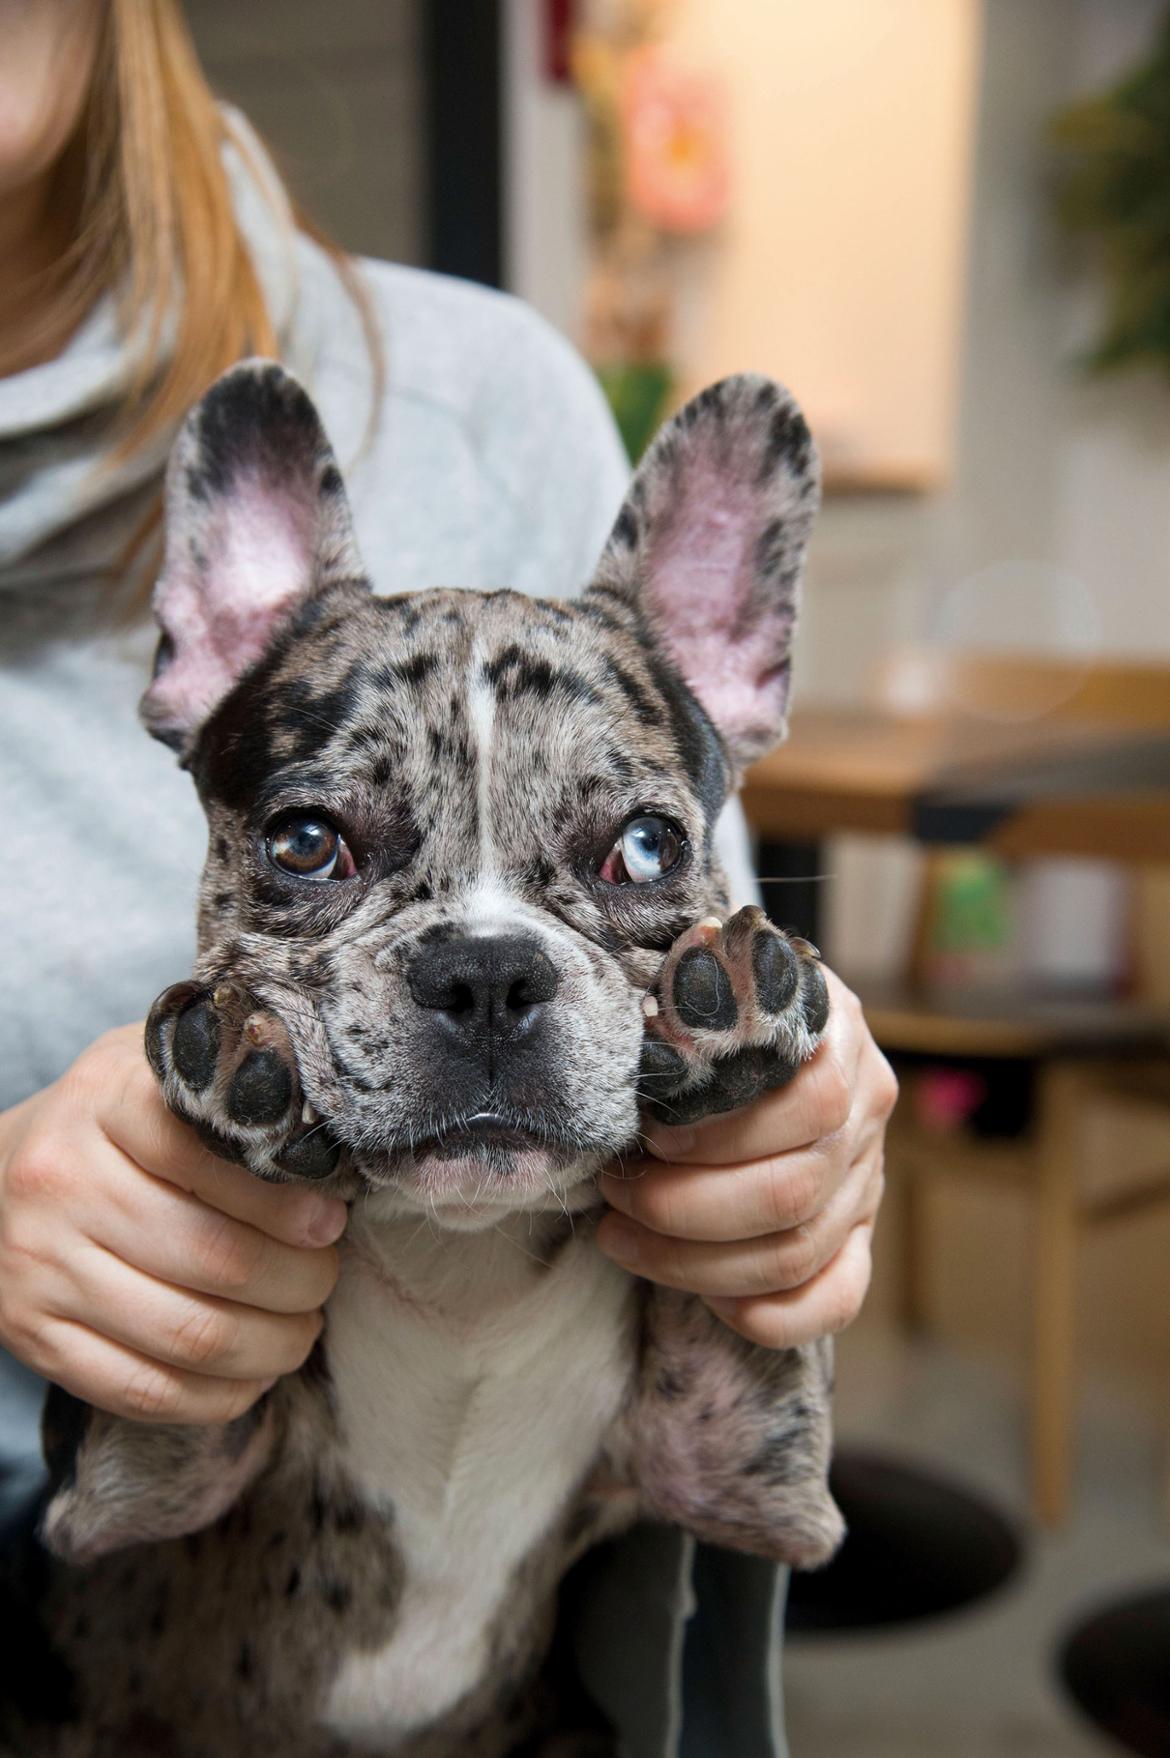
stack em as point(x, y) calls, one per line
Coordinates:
point(1055, 481)
point(338, 91)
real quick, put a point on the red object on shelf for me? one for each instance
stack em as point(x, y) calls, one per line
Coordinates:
point(946, 1098)
point(558, 35)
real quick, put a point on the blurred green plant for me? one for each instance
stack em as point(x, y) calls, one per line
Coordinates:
point(638, 392)
point(1116, 189)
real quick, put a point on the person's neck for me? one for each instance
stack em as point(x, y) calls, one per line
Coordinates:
point(36, 225)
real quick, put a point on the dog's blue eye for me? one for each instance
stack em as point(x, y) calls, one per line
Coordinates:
point(309, 847)
point(647, 848)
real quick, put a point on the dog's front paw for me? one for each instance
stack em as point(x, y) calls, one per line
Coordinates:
point(734, 1011)
point(226, 1066)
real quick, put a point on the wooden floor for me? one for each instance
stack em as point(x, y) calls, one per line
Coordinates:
point(978, 1684)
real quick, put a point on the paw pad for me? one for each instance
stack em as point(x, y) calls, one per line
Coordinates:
point(775, 971)
point(261, 1090)
point(702, 991)
point(195, 1045)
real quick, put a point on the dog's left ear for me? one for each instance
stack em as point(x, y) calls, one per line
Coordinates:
point(708, 552)
point(257, 524)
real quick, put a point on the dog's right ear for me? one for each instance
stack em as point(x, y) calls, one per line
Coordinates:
point(257, 523)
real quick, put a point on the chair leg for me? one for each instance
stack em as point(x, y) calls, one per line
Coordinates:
point(1058, 1143)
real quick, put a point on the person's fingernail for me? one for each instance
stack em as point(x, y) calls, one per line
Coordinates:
point(267, 1385)
point(620, 1241)
point(725, 1308)
point(668, 1142)
point(327, 1221)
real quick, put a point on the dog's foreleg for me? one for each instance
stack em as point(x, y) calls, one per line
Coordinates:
point(117, 1483)
point(731, 1440)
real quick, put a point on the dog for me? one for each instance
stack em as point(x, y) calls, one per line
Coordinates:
point(461, 925)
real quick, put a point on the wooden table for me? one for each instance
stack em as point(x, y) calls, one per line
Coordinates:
point(1021, 789)
point(1042, 787)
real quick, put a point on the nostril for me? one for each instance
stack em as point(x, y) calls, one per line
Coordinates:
point(519, 997)
point(460, 998)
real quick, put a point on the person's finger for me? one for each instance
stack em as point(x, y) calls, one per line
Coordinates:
point(720, 1203)
point(815, 1104)
point(142, 1127)
point(115, 1378)
point(821, 1308)
point(172, 1325)
point(745, 1267)
point(174, 1235)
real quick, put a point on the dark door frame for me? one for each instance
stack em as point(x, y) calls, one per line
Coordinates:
point(464, 121)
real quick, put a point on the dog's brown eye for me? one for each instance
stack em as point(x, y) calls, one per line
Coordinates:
point(309, 847)
point(647, 848)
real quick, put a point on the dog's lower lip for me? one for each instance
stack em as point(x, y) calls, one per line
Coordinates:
point(483, 1129)
point(489, 1126)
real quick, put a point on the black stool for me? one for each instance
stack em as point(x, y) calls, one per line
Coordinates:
point(1116, 1668)
point(917, 1547)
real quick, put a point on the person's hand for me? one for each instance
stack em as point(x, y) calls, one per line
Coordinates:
point(139, 1271)
point(768, 1212)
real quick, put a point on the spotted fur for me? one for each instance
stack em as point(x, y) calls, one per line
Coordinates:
point(369, 1560)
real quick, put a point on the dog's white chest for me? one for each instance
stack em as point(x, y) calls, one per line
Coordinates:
point(468, 1416)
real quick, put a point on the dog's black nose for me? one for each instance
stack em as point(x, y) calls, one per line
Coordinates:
point(490, 986)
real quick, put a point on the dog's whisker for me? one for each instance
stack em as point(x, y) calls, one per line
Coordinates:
point(797, 879)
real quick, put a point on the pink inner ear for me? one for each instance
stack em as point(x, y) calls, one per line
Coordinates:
point(226, 587)
point(705, 592)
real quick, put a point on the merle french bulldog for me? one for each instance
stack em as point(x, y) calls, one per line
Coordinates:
point(461, 922)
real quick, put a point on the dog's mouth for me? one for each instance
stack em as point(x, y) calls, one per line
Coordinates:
point(472, 1168)
point(490, 1131)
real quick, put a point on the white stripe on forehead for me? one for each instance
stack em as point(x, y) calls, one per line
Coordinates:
point(481, 715)
point(490, 908)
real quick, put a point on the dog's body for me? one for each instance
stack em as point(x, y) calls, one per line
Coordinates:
point(462, 904)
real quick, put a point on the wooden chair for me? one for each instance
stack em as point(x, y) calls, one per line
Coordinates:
point(1082, 1054)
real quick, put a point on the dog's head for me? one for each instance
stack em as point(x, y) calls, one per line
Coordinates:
point(453, 833)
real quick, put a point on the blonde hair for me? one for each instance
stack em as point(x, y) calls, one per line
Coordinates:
point(158, 226)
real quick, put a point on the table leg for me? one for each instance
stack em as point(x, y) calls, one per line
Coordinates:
point(1054, 1358)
